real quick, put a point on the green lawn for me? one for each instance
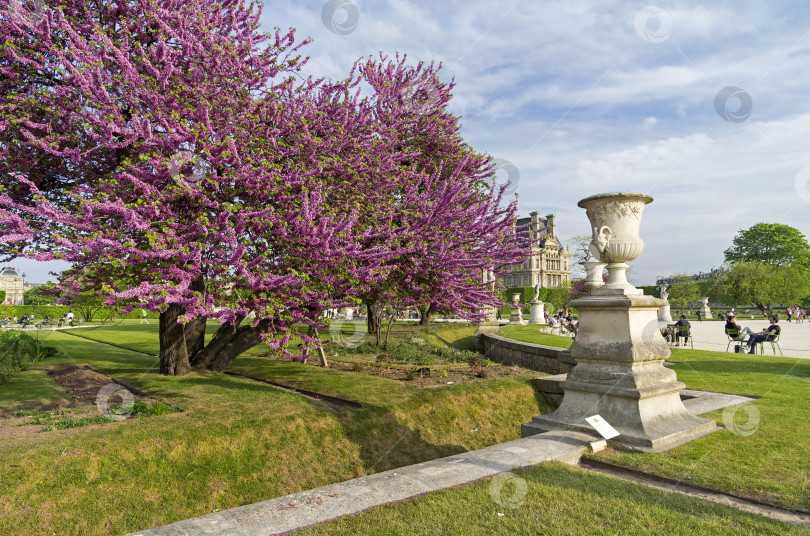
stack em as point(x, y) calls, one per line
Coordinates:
point(235, 442)
point(531, 333)
point(554, 499)
point(770, 464)
point(767, 457)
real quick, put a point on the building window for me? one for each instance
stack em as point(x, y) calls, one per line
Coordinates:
point(525, 280)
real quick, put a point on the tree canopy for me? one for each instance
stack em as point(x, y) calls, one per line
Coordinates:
point(761, 284)
point(168, 152)
point(683, 290)
point(770, 243)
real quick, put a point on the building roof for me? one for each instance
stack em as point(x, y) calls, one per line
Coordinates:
point(10, 271)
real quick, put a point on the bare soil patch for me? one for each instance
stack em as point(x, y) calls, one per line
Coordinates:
point(84, 383)
point(424, 376)
point(81, 384)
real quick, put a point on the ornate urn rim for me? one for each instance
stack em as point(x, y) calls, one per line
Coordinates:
point(636, 196)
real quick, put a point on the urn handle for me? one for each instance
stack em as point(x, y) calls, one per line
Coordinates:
point(599, 244)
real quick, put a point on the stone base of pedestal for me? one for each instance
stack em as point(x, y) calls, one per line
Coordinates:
point(536, 315)
point(672, 424)
point(620, 376)
point(516, 318)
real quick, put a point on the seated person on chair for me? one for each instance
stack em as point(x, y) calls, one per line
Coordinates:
point(553, 321)
point(769, 333)
point(682, 322)
point(732, 324)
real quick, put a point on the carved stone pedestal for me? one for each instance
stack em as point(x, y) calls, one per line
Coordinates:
point(620, 375)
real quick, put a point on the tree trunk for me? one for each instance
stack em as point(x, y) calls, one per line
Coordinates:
point(195, 330)
point(173, 354)
point(375, 319)
point(388, 331)
point(426, 315)
point(228, 342)
point(195, 336)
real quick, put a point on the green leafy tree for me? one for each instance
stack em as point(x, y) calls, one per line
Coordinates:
point(683, 290)
point(769, 263)
point(736, 283)
point(559, 297)
point(770, 243)
point(761, 284)
point(44, 295)
point(2, 296)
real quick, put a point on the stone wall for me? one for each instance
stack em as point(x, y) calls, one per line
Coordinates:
point(525, 354)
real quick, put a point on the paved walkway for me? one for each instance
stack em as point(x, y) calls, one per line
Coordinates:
point(794, 339)
point(311, 507)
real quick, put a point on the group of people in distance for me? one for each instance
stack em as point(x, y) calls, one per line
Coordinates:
point(753, 338)
point(27, 320)
point(796, 312)
point(562, 319)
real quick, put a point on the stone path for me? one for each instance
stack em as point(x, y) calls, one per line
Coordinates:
point(283, 514)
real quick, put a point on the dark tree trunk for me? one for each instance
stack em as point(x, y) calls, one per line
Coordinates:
point(426, 313)
point(195, 336)
point(388, 331)
point(173, 354)
point(375, 319)
point(195, 330)
point(228, 342)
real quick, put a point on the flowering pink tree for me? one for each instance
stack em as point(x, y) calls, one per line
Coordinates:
point(165, 151)
point(455, 227)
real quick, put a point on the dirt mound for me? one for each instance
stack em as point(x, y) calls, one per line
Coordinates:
point(80, 381)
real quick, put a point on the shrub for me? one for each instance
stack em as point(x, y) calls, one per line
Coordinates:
point(18, 351)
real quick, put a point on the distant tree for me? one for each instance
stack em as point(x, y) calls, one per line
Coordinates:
point(2, 296)
point(683, 290)
point(44, 295)
point(578, 245)
point(770, 243)
point(559, 297)
point(761, 284)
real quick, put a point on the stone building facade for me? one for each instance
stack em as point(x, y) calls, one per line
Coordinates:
point(11, 280)
point(549, 264)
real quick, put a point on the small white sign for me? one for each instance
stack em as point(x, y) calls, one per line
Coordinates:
point(602, 426)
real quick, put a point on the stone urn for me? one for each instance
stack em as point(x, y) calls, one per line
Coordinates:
point(516, 317)
point(593, 274)
point(615, 223)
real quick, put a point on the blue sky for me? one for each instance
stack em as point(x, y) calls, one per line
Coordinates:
point(590, 97)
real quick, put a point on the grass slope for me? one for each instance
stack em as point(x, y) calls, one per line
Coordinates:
point(236, 442)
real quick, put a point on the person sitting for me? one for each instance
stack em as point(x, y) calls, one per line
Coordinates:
point(24, 321)
point(685, 334)
point(554, 322)
point(766, 334)
point(732, 324)
point(668, 333)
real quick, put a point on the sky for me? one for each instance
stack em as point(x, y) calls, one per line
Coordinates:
point(702, 106)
